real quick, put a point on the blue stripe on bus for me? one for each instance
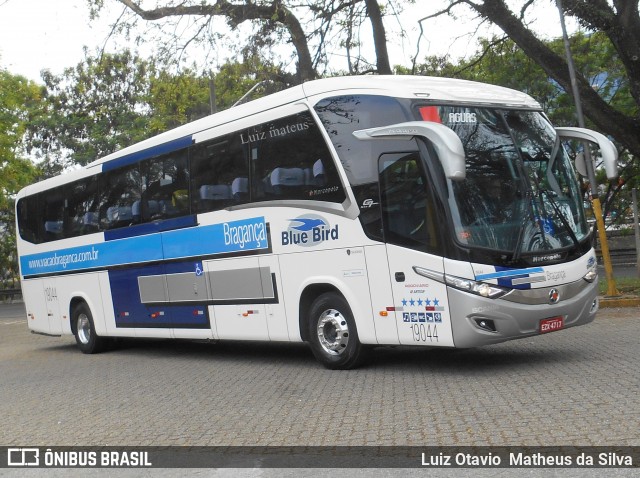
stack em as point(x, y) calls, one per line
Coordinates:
point(509, 273)
point(131, 312)
point(227, 237)
point(150, 228)
point(138, 156)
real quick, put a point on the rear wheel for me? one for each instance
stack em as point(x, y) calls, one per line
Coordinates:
point(85, 332)
point(332, 332)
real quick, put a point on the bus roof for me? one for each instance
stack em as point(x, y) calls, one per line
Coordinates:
point(425, 87)
point(416, 87)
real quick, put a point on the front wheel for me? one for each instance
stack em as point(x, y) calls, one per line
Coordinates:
point(332, 332)
point(85, 332)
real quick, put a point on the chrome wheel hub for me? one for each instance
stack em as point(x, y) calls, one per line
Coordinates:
point(333, 332)
point(84, 329)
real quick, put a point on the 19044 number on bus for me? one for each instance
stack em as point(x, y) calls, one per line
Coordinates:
point(424, 333)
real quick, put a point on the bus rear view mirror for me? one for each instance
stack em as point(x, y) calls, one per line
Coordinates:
point(446, 143)
point(607, 149)
point(581, 165)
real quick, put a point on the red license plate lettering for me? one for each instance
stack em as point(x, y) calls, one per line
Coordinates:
point(551, 325)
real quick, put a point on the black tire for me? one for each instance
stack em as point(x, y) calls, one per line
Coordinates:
point(332, 333)
point(85, 332)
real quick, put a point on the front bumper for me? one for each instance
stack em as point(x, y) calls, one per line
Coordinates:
point(518, 314)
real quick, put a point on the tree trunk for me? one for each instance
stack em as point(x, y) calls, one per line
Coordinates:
point(237, 14)
point(623, 128)
point(379, 37)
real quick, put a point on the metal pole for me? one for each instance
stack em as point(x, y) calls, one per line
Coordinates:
point(591, 175)
point(636, 228)
point(212, 94)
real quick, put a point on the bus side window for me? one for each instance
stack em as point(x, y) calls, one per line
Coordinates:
point(119, 190)
point(220, 174)
point(82, 207)
point(291, 160)
point(60, 213)
point(165, 188)
point(53, 215)
point(342, 115)
point(29, 218)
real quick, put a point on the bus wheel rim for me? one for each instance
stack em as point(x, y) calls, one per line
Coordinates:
point(333, 332)
point(84, 329)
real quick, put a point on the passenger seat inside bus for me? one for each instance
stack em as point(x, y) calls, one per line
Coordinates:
point(318, 178)
point(214, 196)
point(52, 230)
point(90, 223)
point(118, 216)
point(287, 181)
point(240, 189)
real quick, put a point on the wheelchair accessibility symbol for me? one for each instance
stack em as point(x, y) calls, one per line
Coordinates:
point(198, 269)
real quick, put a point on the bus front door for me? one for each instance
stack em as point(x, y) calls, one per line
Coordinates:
point(411, 232)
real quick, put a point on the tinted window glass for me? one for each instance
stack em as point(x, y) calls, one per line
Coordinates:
point(408, 211)
point(220, 173)
point(120, 189)
point(290, 160)
point(283, 159)
point(53, 207)
point(515, 197)
point(29, 219)
point(165, 188)
point(343, 115)
point(83, 202)
point(62, 212)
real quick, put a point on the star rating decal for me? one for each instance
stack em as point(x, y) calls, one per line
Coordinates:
point(430, 304)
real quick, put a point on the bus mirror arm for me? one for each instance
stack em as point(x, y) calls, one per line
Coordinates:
point(445, 141)
point(607, 149)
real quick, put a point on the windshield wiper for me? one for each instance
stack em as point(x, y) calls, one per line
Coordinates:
point(528, 215)
point(538, 216)
point(565, 223)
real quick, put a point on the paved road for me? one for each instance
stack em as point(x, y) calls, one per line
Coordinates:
point(574, 387)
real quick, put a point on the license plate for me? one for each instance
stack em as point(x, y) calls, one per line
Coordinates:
point(551, 324)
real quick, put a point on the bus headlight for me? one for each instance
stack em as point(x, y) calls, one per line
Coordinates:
point(482, 289)
point(592, 274)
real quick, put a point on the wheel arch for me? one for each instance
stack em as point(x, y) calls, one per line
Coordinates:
point(77, 299)
point(73, 303)
point(308, 295)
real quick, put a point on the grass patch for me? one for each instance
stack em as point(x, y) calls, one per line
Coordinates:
point(625, 285)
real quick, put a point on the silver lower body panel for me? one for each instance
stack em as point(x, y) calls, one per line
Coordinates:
point(517, 319)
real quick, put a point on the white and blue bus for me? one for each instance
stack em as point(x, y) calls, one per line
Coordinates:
point(343, 212)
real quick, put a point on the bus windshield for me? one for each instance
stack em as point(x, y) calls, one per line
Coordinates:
point(520, 194)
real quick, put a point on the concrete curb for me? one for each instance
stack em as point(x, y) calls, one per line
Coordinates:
point(613, 302)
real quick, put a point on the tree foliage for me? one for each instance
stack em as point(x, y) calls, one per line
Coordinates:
point(110, 101)
point(235, 79)
point(92, 110)
point(501, 61)
point(19, 102)
point(309, 29)
point(175, 99)
point(618, 20)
